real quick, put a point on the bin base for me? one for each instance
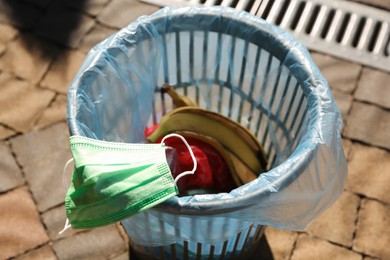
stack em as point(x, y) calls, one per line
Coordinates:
point(258, 249)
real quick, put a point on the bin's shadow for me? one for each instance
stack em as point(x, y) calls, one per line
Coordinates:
point(45, 22)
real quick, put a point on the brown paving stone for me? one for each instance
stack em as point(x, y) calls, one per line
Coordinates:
point(374, 87)
point(7, 33)
point(89, 7)
point(312, 248)
point(55, 113)
point(95, 36)
point(280, 241)
point(124, 256)
point(10, 174)
point(330, 67)
point(44, 253)
point(20, 103)
point(337, 223)
point(344, 103)
point(28, 61)
point(69, 33)
point(100, 243)
point(19, 14)
point(369, 172)
point(347, 145)
point(63, 70)
point(5, 132)
point(114, 16)
point(376, 3)
point(372, 236)
point(370, 124)
point(43, 155)
point(54, 220)
point(20, 226)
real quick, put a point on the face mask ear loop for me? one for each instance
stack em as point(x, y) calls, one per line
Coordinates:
point(67, 225)
point(64, 172)
point(191, 153)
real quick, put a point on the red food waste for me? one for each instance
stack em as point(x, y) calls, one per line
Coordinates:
point(212, 173)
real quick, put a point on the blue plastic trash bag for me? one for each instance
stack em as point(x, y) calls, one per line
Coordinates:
point(240, 66)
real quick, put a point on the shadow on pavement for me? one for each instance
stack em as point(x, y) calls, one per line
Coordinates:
point(43, 21)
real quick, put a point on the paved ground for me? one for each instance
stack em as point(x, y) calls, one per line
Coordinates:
point(42, 44)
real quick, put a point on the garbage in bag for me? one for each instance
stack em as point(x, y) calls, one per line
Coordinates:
point(234, 64)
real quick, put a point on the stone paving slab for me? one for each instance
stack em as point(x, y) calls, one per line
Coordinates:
point(10, 174)
point(370, 124)
point(369, 172)
point(63, 70)
point(100, 243)
point(311, 248)
point(20, 103)
point(28, 57)
point(54, 220)
point(89, 7)
point(372, 236)
point(344, 103)
point(43, 155)
point(5, 132)
point(347, 145)
point(114, 16)
point(20, 226)
point(69, 33)
point(281, 242)
point(19, 14)
point(342, 214)
point(374, 87)
point(95, 36)
point(331, 67)
point(376, 3)
point(7, 34)
point(42, 253)
point(55, 113)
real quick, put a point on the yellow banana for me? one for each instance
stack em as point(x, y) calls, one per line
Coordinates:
point(178, 100)
point(230, 134)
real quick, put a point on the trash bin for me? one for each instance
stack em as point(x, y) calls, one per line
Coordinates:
point(238, 65)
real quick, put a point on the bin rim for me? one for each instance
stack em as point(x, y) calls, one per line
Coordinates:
point(307, 75)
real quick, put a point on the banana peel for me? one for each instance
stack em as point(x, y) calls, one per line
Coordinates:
point(240, 173)
point(231, 135)
point(244, 155)
point(178, 100)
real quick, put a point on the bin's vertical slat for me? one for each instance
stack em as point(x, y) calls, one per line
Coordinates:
point(173, 251)
point(294, 119)
point(211, 253)
point(288, 112)
point(280, 105)
point(199, 251)
point(192, 80)
point(185, 250)
point(303, 118)
point(262, 91)
point(238, 237)
point(224, 247)
point(247, 237)
point(274, 90)
point(230, 75)
point(178, 59)
point(253, 84)
point(241, 80)
point(216, 76)
point(162, 253)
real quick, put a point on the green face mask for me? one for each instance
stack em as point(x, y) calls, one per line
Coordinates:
point(112, 181)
